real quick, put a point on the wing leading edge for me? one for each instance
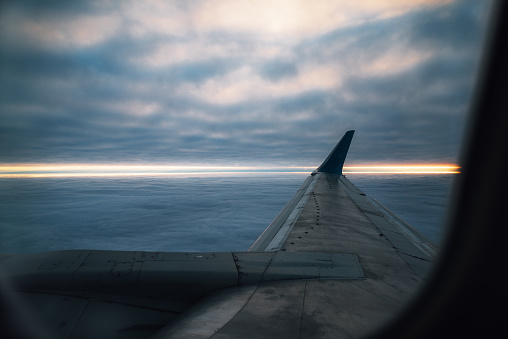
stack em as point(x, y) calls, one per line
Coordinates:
point(333, 263)
point(273, 238)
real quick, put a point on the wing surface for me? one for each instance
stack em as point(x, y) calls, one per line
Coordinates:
point(334, 263)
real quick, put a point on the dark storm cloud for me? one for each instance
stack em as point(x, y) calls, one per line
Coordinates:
point(278, 69)
point(198, 71)
point(403, 83)
point(416, 113)
point(54, 6)
point(456, 25)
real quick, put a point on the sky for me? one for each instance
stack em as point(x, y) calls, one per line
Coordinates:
point(236, 83)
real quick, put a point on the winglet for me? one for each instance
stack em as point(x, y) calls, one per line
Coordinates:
point(335, 160)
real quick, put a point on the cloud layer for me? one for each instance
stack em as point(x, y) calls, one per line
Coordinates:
point(236, 82)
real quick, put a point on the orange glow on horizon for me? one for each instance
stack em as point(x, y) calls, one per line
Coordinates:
point(403, 169)
point(116, 170)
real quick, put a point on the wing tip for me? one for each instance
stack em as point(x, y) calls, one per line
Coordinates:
point(335, 160)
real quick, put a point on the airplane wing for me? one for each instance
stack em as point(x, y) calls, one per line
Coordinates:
point(334, 263)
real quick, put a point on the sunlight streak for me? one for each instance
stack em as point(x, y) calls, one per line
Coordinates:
point(403, 169)
point(116, 170)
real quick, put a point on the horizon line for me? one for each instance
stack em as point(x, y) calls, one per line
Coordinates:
point(20, 170)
